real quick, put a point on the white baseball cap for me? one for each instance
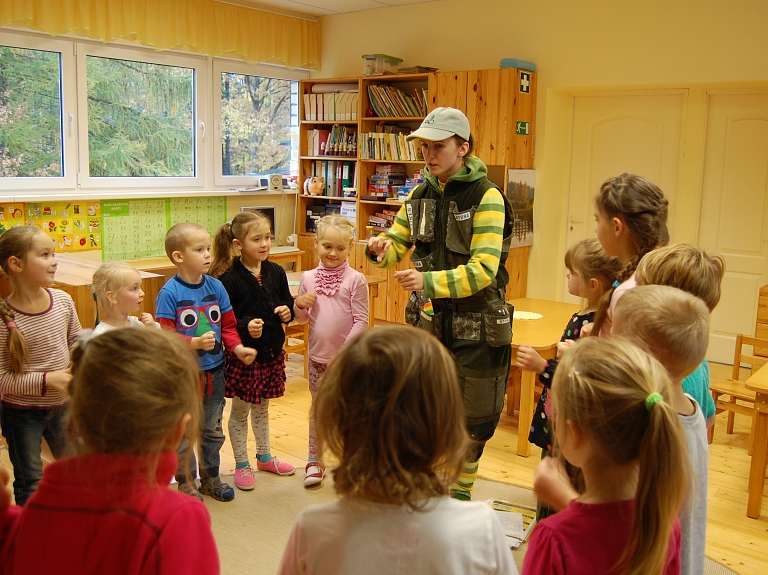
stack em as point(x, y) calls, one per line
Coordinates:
point(442, 123)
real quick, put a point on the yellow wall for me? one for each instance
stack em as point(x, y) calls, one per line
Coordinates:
point(577, 46)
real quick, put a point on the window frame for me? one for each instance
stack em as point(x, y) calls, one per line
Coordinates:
point(52, 184)
point(222, 65)
point(201, 68)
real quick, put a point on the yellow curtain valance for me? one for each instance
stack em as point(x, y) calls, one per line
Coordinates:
point(202, 26)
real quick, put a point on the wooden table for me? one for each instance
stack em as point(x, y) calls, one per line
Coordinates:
point(541, 334)
point(74, 275)
point(758, 383)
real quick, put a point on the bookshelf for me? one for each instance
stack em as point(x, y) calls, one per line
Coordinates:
point(492, 101)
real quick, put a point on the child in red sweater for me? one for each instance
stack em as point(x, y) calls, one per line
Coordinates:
point(109, 510)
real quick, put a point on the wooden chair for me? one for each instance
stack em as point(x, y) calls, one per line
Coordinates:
point(301, 332)
point(735, 391)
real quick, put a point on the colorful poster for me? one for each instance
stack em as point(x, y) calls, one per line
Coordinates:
point(134, 229)
point(73, 225)
point(521, 188)
point(211, 213)
point(11, 216)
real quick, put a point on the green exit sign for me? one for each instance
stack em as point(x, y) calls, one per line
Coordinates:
point(522, 129)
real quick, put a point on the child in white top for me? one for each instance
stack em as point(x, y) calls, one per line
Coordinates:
point(391, 414)
point(333, 298)
point(117, 287)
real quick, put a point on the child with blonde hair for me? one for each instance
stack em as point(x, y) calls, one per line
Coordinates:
point(262, 302)
point(676, 333)
point(109, 509)
point(631, 214)
point(117, 287)
point(40, 326)
point(590, 273)
point(692, 270)
point(614, 419)
point(333, 298)
point(389, 412)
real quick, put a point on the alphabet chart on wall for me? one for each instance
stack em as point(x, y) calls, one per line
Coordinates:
point(73, 225)
point(210, 213)
point(134, 228)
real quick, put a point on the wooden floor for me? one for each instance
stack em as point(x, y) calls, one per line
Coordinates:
point(732, 538)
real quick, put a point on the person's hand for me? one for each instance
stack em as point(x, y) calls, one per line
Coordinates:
point(410, 280)
point(255, 327)
point(147, 319)
point(586, 331)
point(59, 379)
point(245, 354)
point(306, 300)
point(378, 247)
point(563, 347)
point(5, 492)
point(207, 341)
point(551, 484)
point(528, 358)
point(284, 313)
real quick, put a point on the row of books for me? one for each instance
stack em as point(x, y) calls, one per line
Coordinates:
point(338, 174)
point(390, 101)
point(338, 141)
point(382, 146)
point(331, 107)
point(382, 220)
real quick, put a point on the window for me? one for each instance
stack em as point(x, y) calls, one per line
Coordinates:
point(258, 123)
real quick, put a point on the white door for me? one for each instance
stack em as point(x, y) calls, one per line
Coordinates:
point(734, 211)
point(638, 133)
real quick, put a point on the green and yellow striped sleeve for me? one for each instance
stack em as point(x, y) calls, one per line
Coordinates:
point(400, 234)
point(484, 254)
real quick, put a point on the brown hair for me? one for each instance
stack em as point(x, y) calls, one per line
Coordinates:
point(130, 388)
point(685, 267)
point(237, 229)
point(176, 237)
point(15, 242)
point(390, 411)
point(111, 277)
point(676, 333)
point(588, 259)
point(471, 141)
point(601, 385)
point(340, 223)
point(642, 207)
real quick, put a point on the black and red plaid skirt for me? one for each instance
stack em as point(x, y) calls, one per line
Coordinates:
point(260, 380)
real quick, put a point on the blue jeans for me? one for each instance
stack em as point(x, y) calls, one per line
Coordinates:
point(211, 432)
point(24, 430)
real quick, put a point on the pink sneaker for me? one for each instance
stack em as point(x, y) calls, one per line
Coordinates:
point(315, 474)
point(244, 478)
point(274, 465)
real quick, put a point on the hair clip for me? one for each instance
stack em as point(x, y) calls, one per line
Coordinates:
point(11, 325)
point(616, 284)
point(652, 400)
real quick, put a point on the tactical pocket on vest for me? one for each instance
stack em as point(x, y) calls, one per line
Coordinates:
point(425, 264)
point(498, 324)
point(466, 325)
point(483, 396)
point(413, 211)
point(426, 231)
point(459, 232)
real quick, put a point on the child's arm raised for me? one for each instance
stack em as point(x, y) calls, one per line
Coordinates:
point(528, 358)
point(304, 301)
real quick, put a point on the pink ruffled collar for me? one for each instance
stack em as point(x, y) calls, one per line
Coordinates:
point(328, 280)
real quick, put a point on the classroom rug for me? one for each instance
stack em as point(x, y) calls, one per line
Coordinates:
point(252, 531)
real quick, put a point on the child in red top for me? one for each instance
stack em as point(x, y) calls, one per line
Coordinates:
point(109, 509)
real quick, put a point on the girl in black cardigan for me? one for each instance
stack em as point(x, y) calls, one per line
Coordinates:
point(262, 302)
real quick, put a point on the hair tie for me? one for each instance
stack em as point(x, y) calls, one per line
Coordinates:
point(652, 400)
point(616, 284)
point(10, 325)
point(229, 224)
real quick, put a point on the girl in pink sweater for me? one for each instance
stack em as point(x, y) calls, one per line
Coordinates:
point(333, 298)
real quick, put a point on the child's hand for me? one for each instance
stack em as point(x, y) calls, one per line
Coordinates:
point(378, 247)
point(5, 492)
point(306, 300)
point(551, 484)
point(528, 358)
point(284, 313)
point(563, 347)
point(147, 319)
point(207, 341)
point(255, 327)
point(245, 354)
point(58, 380)
point(410, 280)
